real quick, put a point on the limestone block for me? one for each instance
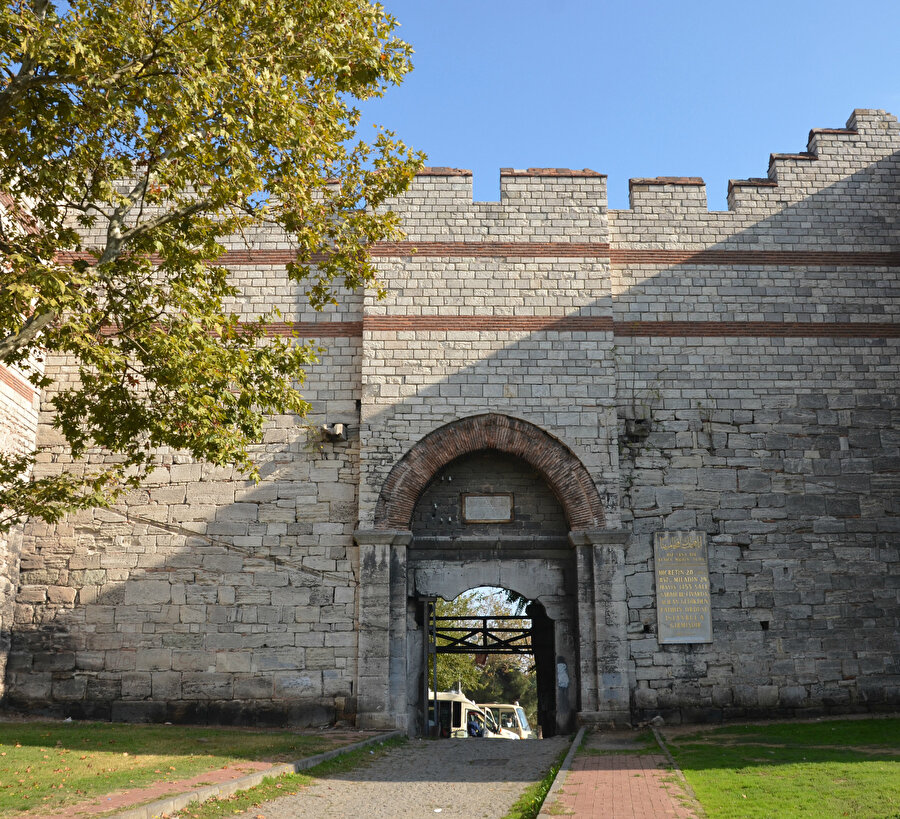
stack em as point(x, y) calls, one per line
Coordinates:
point(238, 512)
point(233, 662)
point(32, 594)
point(184, 473)
point(154, 659)
point(147, 592)
point(222, 563)
point(273, 659)
point(793, 696)
point(192, 614)
point(318, 658)
point(645, 697)
point(258, 686)
point(54, 661)
point(210, 493)
point(206, 686)
point(297, 685)
point(193, 660)
point(273, 579)
point(136, 685)
point(32, 686)
point(640, 584)
point(335, 684)
point(69, 688)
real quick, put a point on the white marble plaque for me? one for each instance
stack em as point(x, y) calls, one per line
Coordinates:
point(487, 508)
point(682, 587)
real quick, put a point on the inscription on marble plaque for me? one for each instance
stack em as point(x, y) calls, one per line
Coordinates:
point(487, 508)
point(682, 587)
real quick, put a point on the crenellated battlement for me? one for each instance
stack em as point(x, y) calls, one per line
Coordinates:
point(519, 187)
point(832, 155)
point(536, 204)
point(553, 187)
point(672, 192)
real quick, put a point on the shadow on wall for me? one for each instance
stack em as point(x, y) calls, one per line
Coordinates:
point(208, 599)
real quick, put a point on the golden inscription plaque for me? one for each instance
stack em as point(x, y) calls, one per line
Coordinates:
point(682, 587)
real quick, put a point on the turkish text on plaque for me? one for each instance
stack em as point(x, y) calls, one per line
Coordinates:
point(682, 587)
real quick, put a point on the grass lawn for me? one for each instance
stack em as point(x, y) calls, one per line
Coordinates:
point(47, 765)
point(820, 769)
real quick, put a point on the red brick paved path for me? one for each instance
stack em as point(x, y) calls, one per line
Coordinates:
point(619, 783)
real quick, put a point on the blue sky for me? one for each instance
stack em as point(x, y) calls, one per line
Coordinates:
point(643, 88)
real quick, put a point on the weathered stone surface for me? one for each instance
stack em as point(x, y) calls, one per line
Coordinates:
point(145, 592)
point(657, 367)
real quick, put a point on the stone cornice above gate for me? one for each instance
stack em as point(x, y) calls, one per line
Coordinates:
point(487, 541)
point(382, 537)
point(600, 537)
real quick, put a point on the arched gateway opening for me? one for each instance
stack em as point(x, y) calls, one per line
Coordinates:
point(486, 645)
point(485, 501)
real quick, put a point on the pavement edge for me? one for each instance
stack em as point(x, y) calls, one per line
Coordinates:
point(560, 779)
point(155, 810)
point(685, 785)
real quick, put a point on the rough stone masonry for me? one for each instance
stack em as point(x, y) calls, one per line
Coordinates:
point(618, 373)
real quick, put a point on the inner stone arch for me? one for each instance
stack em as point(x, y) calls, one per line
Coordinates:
point(554, 461)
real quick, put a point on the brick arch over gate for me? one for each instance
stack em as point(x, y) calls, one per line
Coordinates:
point(556, 463)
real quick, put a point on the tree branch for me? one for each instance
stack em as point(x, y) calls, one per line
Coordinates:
point(30, 329)
point(164, 219)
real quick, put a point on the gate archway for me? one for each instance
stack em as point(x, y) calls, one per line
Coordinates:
point(488, 500)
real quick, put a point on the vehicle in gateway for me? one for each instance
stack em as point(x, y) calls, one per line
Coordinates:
point(510, 717)
point(458, 717)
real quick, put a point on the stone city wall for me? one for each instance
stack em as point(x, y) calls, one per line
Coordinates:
point(770, 421)
point(732, 372)
point(19, 405)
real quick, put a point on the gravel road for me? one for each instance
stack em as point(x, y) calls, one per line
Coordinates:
point(471, 778)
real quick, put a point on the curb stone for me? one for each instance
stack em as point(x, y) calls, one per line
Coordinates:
point(686, 786)
point(162, 807)
point(560, 779)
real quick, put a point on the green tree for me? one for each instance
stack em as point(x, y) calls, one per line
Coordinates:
point(134, 136)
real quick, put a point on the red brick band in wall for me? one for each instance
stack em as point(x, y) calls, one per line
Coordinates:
point(491, 249)
point(757, 329)
point(587, 250)
point(316, 329)
point(586, 324)
point(557, 464)
point(582, 250)
point(758, 258)
point(532, 324)
point(17, 384)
